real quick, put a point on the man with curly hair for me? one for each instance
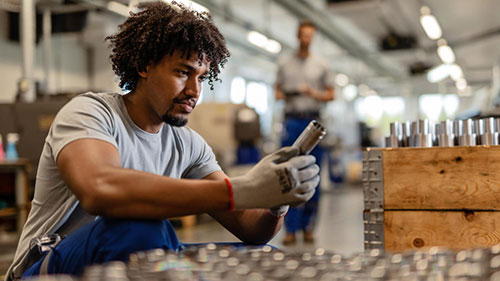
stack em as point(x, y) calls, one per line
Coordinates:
point(115, 167)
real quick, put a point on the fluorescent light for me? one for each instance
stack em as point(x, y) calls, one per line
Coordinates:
point(446, 54)
point(455, 72)
point(341, 79)
point(443, 71)
point(461, 84)
point(118, 8)
point(260, 40)
point(191, 5)
point(257, 39)
point(431, 26)
point(430, 23)
point(349, 92)
point(273, 46)
point(438, 73)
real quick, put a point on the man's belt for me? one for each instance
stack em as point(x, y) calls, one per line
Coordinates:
point(303, 115)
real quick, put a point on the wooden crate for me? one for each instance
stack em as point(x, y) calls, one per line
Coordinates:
point(439, 196)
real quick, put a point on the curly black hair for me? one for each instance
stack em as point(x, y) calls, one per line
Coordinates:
point(158, 29)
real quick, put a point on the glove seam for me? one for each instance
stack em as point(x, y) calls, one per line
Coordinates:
point(231, 196)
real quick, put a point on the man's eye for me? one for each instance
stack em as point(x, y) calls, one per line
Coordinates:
point(203, 78)
point(183, 72)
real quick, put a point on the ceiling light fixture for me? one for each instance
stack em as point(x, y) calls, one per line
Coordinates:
point(341, 79)
point(443, 71)
point(430, 24)
point(456, 72)
point(273, 46)
point(461, 84)
point(261, 41)
point(445, 52)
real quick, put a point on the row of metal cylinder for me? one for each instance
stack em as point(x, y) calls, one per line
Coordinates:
point(422, 133)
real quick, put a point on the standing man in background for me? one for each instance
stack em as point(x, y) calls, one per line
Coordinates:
point(305, 82)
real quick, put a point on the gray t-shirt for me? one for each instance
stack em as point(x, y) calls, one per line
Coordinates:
point(294, 71)
point(177, 152)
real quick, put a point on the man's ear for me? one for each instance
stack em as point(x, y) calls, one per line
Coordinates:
point(143, 71)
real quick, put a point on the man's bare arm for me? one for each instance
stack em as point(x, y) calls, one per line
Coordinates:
point(256, 226)
point(326, 95)
point(278, 92)
point(92, 170)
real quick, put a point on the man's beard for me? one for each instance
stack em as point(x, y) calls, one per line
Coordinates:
point(172, 120)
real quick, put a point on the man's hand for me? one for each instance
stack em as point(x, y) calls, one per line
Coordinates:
point(280, 178)
point(306, 90)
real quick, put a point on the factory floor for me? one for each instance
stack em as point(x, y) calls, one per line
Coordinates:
point(339, 227)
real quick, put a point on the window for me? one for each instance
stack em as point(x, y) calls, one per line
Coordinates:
point(238, 90)
point(379, 112)
point(257, 96)
point(438, 107)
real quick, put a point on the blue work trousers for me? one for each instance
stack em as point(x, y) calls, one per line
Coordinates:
point(106, 240)
point(302, 217)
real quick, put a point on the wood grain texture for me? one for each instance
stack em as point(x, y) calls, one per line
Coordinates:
point(405, 230)
point(442, 178)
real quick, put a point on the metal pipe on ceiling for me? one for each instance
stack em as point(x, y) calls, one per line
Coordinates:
point(47, 50)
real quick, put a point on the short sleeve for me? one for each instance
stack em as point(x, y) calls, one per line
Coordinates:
point(203, 161)
point(82, 117)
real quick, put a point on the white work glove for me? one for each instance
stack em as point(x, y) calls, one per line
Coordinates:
point(280, 178)
point(279, 211)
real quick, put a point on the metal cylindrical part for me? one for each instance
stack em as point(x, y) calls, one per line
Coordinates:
point(468, 127)
point(489, 139)
point(310, 137)
point(457, 130)
point(423, 127)
point(395, 129)
point(445, 134)
point(413, 134)
point(479, 126)
point(405, 134)
point(392, 141)
point(467, 140)
point(489, 125)
point(446, 140)
point(468, 137)
point(490, 134)
point(478, 130)
point(423, 140)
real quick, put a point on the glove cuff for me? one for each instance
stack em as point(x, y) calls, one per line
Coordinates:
point(230, 192)
point(280, 211)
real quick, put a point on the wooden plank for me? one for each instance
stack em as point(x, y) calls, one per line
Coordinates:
point(442, 178)
point(405, 230)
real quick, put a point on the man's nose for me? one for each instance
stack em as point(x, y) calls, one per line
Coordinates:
point(193, 87)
